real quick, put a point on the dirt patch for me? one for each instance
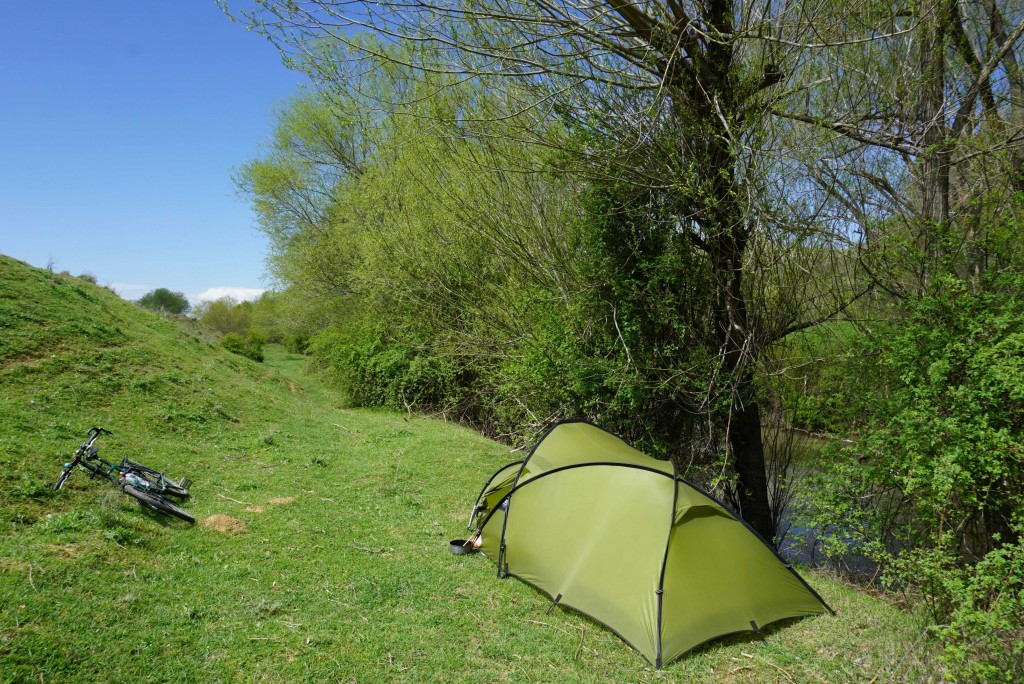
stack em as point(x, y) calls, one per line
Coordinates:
point(69, 551)
point(282, 501)
point(255, 509)
point(6, 564)
point(224, 523)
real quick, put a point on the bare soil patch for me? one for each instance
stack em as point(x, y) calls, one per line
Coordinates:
point(281, 501)
point(224, 523)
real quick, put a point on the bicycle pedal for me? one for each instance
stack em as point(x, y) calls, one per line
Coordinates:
point(185, 483)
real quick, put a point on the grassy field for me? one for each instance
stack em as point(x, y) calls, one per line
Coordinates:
point(323, 556)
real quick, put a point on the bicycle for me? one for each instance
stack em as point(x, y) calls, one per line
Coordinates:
point(150, 487)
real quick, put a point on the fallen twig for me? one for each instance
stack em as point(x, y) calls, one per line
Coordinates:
point(546, 624)
point(785, 673)
point(242, 503)
point(369, 550)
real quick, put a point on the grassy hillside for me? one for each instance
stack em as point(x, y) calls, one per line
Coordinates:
point(325, 555)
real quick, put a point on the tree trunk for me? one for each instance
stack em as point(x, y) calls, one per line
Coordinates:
point(740, 348)
point(935, 157)
point(748, 449)
point(726, 225)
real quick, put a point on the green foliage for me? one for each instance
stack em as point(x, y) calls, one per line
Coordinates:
point(162, 299)
point(651, 339)
point(360, 232)
point(270, 319)
point(373, 369)
point(249, 346)
point(225, 315)
point(265, 319)
point(823, 390)
point(296, 343)
point(933, 489)
point(984, 638)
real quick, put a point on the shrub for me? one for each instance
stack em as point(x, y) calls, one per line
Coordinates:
point(373, 369)
point(250, 346)
point(933, 490)
point(162, 299)
point(225, 315)
point(296, 343)
point(984, 639)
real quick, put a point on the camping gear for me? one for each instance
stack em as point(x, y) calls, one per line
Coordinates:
point(617, 535)
point(461, 547)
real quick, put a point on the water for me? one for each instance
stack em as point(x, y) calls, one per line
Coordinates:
point(802, 546)
point(801, 543)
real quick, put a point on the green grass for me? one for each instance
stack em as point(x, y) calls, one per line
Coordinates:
point(349, 579)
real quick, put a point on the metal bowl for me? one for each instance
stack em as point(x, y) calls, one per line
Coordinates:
point(461, 547)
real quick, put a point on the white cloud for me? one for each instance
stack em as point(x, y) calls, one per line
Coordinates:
point(239, 294)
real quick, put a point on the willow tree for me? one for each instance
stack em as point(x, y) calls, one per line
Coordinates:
point(922, 107)
point(675, 97)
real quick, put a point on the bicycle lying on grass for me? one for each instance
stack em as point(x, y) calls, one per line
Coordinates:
point(149, 486)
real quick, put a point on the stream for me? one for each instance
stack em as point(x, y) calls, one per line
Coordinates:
point(801, 544)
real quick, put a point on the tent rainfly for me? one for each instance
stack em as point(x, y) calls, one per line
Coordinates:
point(617, 535)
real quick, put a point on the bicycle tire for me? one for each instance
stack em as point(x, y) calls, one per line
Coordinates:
point(63, 478)
point(158, 503)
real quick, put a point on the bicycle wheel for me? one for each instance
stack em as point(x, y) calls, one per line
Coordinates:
point(158, 503)
point(179, 488)
point(63, 478)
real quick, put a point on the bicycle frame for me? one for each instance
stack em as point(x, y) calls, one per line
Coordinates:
point(149, 487)
point(105, 469)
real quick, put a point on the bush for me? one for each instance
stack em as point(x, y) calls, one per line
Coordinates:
point(933, 490)
point(372, 369)
point(985, 635)
point(296, 343)
point(250, 346)
point(823, 390)
point(163, 300)
point(225, 315)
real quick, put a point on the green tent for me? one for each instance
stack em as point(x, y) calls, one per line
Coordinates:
point(617, 535)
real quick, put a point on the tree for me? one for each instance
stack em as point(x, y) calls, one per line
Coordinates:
point(225, 315)
point(162, 299)
point(920, 110)
point(687, 86)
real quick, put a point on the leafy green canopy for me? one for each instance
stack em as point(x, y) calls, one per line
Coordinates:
point(162, 299)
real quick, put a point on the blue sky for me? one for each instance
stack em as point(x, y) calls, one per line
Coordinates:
point(120, 124)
